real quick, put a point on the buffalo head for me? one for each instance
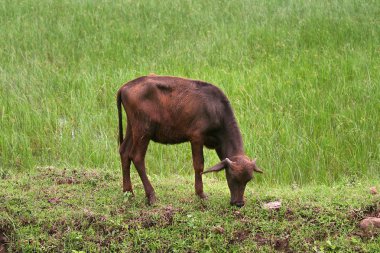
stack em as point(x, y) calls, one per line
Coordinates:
point(239, 171)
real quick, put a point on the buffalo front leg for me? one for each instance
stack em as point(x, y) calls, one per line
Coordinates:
point(198, 163)
point(138, 157)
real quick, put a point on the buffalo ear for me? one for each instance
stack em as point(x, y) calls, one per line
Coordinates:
point(218, 167)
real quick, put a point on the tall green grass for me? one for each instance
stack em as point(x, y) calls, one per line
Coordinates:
point(302, 76)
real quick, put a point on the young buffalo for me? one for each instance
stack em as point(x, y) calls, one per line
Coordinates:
point(172, 110)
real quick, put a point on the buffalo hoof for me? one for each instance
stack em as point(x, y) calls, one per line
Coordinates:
point(127, 187)
point(202, 195)
point(238, 204)
point(151, 199)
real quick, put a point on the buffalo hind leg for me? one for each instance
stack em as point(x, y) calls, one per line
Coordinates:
point(198, 163)
point(138, 157)
point(125, 149)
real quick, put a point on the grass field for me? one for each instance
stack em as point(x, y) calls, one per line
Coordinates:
point(303, 78)
point(55, 210)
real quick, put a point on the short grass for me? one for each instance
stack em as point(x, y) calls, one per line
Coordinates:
point(83, 210)
point(302, 76)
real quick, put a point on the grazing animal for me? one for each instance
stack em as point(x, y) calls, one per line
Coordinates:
point(172, 110)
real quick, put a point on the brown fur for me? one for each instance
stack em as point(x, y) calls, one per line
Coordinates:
point(172, 110)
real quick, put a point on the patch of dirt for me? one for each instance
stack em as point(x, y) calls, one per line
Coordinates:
point(78, 222)
point(67, 180)
point(92, 217)
point(27, 220)
point(52, 230)
point(161, 217)
point(169, 213)
point(99, 223)
point(261, 240)
point(277, 243)
point(289, 214)
point(65, 176)
point(368, 211)
point(239, 236)
point(3, 241)
point(6, 232)
point(282, 244)
point(359, 215)
point(240, 216)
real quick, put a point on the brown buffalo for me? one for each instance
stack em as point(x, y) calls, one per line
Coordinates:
point(172, 110)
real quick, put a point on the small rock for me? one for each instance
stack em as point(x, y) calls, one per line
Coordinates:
point(373, 190)
point(54, 200)
point(103, 218)
point(370, 223)
point(273, 205)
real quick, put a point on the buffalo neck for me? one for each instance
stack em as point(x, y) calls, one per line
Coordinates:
point(231, 140)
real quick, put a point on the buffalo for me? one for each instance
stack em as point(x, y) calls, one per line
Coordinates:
point(171, 110)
